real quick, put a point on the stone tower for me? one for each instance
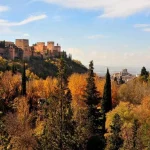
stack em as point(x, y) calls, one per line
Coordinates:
point(50, 46)
point(22, 43)
point(39, 47)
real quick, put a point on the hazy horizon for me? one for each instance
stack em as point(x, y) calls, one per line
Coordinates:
point(101, 70)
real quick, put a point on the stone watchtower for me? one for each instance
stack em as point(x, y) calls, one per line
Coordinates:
point(23, 44)
point(40, 47)
point(50, 46)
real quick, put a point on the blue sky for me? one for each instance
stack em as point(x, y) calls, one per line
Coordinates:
point(110, 32)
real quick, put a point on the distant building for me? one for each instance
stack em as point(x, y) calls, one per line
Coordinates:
point(124, 72)
point(22, 50)
point(10, 51)
point(8, 43)
point(47, 51)
point(122, 76)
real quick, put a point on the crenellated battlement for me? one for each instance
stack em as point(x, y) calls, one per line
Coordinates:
point(11, 51)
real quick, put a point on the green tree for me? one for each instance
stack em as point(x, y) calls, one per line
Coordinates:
point(66, 113)
point(24, 80)
point(69, 124)
point(121, 80)
point(63, 54)
point(2, 44)
point(107, 99)
point(92, 99)
point(59, 127)
point(95, 143)
point(115, 79)
point(70, 57)
point(14, 70)
point(50, 138)
point(95, 119)
point(45, 141)
point(135, 136)
point(144, 74)
point(4, 136)
point(115, 139)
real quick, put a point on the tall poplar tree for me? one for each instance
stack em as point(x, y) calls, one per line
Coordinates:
point(24, 79)
point(106, 104)
point(107, 99)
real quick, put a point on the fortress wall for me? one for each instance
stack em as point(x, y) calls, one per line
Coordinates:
point(12, 52)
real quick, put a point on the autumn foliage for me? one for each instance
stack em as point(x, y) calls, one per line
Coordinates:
point(23, 118)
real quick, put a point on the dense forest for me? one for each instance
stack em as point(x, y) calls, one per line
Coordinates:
point(43, 67)
point(60, 105)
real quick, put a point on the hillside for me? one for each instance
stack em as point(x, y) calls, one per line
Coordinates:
point(43, 68)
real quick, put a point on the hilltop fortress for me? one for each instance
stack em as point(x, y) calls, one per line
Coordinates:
point(21, 49)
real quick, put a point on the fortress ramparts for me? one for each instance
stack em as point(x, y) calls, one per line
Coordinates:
point(21, 49)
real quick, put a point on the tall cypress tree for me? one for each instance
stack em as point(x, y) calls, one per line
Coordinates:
point(106, 104)
point(107, 99)
point(24, 80)
point(92, 99)
point(115, 140)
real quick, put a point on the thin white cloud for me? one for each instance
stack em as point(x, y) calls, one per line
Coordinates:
point(3, 8)
point(141, 25)
point(111, 8)
point(26, 21)
point(98, 36)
